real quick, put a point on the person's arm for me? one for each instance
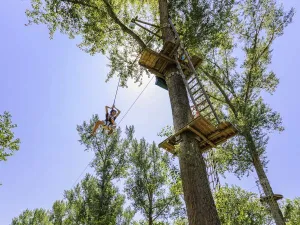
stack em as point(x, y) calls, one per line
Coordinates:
point(106, 109)
point(118, 111)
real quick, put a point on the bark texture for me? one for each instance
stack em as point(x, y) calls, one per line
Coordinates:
point(199, 201)
point(200, 204)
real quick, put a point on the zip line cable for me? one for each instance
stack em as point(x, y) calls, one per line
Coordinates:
point(119, 124)
point(136, 99)
point(82, 173)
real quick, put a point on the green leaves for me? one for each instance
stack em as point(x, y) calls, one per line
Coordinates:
point(149, 184)
point(292, 211)
point(8, 143)
point(35, 217)
point(236, 74)
point(239, 207)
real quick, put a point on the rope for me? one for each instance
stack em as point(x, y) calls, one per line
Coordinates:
point(119, 124)
point(136, 100)
point(82, 172)
point(117, 90)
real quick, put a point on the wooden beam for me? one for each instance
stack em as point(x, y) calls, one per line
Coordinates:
point(201, 135)
point(222, 131)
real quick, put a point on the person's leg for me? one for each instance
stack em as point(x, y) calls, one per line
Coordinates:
point(111, 130)
point(112, 127)
point(106, 125)
point(97, 124)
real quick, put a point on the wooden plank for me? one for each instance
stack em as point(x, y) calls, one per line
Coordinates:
point(224, 130)
point(201, 135)
point(276, 197)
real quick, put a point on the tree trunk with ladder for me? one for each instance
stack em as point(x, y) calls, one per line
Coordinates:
point(264, 182)
point(198, 197)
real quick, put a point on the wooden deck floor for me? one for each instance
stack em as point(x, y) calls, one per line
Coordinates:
point(208, 135)
point(158, 63)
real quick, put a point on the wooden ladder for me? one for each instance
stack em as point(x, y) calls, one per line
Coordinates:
point(201, 103)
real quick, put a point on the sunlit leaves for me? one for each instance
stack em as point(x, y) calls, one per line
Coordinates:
point(239, 207)
point(238, 71)
point(150, 185)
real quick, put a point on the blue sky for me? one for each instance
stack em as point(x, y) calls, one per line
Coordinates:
point(50, 86)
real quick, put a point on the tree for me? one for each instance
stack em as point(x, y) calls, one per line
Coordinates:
point(236, 73)
point(58, 213)
point(239, 207)
point(97, 200)
point(35, 217)
point(127, 217)
point(102, 24)
point(8, 143)
point(149, 183)
point(89, 203)
point(292, 211)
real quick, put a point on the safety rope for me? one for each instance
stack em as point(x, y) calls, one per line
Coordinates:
point(117, 91)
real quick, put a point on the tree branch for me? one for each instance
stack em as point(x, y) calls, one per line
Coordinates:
point(216, 83)
point(113, 16)
point(122, 25)
point(231, 89)
point(252, 66)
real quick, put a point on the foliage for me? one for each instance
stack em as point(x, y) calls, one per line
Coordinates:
point(150, 182)
point(292, 211)
point(8, 143)
point(103, 26)
point(35, 217)
point(58, 213)
point(239, 207)
point(97, 200)
point(90, 203)
point(236, 75)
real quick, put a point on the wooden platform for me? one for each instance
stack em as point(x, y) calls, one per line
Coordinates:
point(158, 63)
point(276, 197)
point(208, 135)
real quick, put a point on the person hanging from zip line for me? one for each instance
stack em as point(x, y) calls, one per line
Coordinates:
point(109, 122)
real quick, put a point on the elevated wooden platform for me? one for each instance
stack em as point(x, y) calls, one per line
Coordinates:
point(276, 197)
point(158, 63)
point(208, 135)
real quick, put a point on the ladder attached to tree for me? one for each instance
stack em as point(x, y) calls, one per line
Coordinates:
point(207, 125)
point(202, 106)
point(208, 129)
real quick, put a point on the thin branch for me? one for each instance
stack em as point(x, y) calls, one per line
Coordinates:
point(222, 71)
point(249, 75)
point(254, 62)
point(216, 83)
point(122, 25)
point(113, 16)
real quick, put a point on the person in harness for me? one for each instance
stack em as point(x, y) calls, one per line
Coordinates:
point(109, 122)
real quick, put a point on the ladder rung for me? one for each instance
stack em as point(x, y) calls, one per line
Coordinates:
point(201, 103)
point(199, 97)
point(192, 80)
point(194, 86)
point(204, 108)
point(207, 114)
point(194, 92)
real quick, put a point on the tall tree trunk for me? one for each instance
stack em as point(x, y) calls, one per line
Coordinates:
point(264, 181)
point(150, 215)
point(150, 220)
point(199, 201)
